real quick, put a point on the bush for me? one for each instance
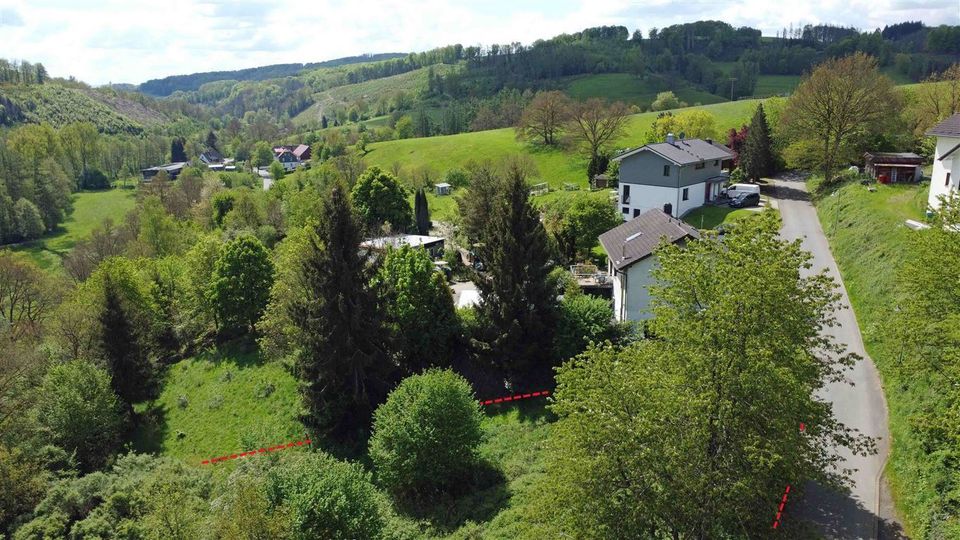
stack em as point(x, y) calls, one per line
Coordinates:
point(77, 410)
point(426, 434)
point(94, 179)
point(582, 319)
point(326, 498)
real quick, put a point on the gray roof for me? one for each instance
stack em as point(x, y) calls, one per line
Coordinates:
point(636, 239)
point(949, 127)
point(897, 155)
point(684, 151)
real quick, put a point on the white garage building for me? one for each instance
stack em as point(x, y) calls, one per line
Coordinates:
point(946, 160)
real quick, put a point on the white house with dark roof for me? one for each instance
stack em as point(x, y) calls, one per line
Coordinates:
point(946, 160)
point(630, 248)
point(675, 176)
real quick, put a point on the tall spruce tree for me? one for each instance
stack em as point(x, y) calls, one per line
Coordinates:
point(177, 152)
point(756, 160)
point(421, 212)
point(342, 364)
point(120, 336)
point(518, 308)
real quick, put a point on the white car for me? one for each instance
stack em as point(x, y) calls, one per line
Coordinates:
point(734, 190)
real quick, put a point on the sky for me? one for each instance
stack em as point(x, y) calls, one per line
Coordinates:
point(126, 41)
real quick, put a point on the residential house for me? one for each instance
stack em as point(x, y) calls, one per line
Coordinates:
point(946, 160)
point(675, 176)
point(442, 188)
point(211, 157)
point(173, 170)
point(433, 244)
point(629, 249)
point(302, 151)
point(287, 158)
point(887, 167)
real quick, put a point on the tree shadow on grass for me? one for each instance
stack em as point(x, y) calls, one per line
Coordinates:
point(150, 428)
point(479, 499)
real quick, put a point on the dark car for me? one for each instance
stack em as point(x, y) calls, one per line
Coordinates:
point(745, 200)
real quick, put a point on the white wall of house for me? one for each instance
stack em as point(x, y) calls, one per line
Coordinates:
point(643, 198)
point(946, 173)
point(631, 295)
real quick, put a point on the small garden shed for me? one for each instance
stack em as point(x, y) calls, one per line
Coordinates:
point(891, 167)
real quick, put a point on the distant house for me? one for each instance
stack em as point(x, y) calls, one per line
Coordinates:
point(433, 244)
point(887, 167)
point(302, 152)
point(211, 157)
point(173, 170)
point(946, 160)
point(675, 176)
point(629, 249)
point(287, 158)
point(442, 188)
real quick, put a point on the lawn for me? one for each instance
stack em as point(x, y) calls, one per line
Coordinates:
point(869, 241)
point(554, 166)
point(90, 208)
point(709, 217)
point(635, 90)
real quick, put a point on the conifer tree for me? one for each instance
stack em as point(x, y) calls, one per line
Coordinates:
point(421, 212)
point(341, 363)
point(757, 157)
point(120, 337)
point(518, 308)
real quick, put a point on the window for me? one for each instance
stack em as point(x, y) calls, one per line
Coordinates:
point(700, 165)
point(624, 210)
point(686, 193)
point(716, 162)
point(947, 183)
point(636, 212)
point(626, 195)
point(666, 170)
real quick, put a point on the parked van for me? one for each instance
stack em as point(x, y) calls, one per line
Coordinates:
point(733, 190)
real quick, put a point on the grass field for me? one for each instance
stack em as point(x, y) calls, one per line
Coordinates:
point(768, 85)
point(225, 402)
point(635, 90)
point(221, 403)
point(90, 208)
point(868, 239)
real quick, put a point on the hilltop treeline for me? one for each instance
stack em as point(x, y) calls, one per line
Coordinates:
point(184, 83)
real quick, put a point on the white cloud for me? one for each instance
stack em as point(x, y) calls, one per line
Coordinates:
point(129, 41)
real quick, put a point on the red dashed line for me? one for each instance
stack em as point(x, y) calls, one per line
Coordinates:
point(255, 452)
point(786, 492)
point(515, 397)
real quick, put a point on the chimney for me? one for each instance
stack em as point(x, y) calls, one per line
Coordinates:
point(669, 138)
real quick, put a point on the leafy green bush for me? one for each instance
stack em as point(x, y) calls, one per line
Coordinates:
point(426, 434)
point(582, 319)
point(326, 498)
point(77, 410)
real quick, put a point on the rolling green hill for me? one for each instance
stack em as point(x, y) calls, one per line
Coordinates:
point(59, 105)
point(635, 90)
point(555, 166)
point(411, 82)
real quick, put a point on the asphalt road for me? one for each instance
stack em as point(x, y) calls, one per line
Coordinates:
point(861, 406)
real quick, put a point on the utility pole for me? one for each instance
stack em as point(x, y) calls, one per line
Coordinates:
point(732, 79)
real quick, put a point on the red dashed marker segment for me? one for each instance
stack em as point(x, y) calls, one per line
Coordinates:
point(255, 452)
point(515, 397)
point(783, 502)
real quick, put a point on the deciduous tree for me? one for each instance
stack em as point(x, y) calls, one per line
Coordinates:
point(545, 117)
point(596, 124)
point(380, 199)
point(839, 101)
point(240, 284)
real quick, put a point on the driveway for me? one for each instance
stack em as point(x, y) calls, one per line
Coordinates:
point(861, 405)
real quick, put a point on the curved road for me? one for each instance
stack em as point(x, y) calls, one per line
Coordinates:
point(862, 406)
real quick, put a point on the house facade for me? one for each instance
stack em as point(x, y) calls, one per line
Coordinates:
point(630, 253)
point(675, 176)
point(287, 158)
point(893, 167)
point(946, 160)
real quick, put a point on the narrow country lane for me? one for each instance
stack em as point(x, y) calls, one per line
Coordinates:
point(861, 406)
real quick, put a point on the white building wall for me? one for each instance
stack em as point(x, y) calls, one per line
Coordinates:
point(643, 198)
point(938, 178)
point(631, 294)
